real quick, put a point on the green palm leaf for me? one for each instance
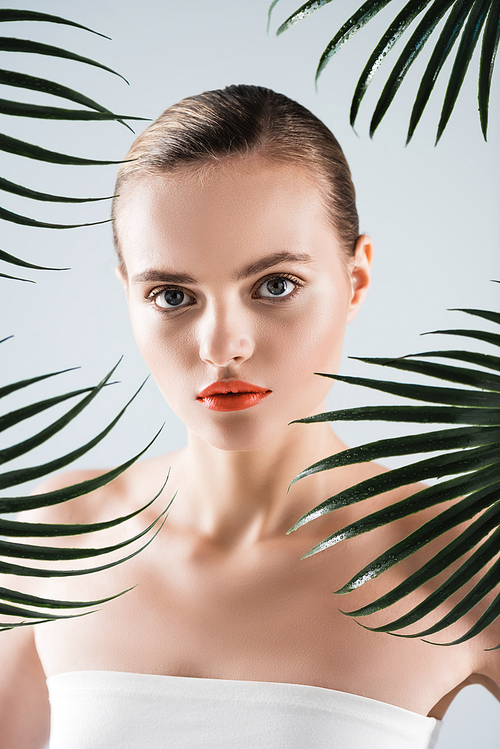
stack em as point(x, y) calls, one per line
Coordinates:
point(466, 20)
point(16, 278)
point(363, 15)
point(491, 37)
point(23, 264)
point(10, 44)
point(93, 111)
point(415, 45)
point(31, 151)
point(20, 109)
point(397, 28)
point(469, 463)
point(468, 43)
point(13, 603)
point(439, 55)
point(15, 189)
point(42, 85)
point(51, 603)
point(16, 218)
point(304, 11)
point(18, 14)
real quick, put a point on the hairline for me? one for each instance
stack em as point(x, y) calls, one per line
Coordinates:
point(200, 169)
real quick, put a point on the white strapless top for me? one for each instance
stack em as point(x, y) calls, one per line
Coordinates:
point(109, 709)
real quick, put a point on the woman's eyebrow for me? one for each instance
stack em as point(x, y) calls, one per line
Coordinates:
point(166, 276)
point(162, 276)
point(272, 260)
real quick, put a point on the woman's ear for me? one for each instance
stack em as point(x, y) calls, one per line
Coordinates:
point(360, 272)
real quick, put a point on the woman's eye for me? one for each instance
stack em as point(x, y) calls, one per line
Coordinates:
point(172, 299)
point(279, 286)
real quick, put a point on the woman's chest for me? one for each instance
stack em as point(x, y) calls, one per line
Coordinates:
point(271, 618)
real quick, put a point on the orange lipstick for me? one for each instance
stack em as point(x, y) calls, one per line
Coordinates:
point(232, 396)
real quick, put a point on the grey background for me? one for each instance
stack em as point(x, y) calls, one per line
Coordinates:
point(432, 213)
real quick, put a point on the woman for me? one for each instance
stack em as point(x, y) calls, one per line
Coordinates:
point(240, 255)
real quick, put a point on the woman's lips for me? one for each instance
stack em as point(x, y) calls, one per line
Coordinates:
point(232, 396)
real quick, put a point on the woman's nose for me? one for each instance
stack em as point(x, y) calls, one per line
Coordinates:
point(225, 336)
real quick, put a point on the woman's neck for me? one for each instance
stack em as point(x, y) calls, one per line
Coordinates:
point(238, 498)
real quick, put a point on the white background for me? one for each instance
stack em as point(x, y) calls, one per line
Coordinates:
point(432, 213)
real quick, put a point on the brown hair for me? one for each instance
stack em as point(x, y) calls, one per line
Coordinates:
point(245, 120)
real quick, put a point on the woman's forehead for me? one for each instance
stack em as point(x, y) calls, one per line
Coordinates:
point(236, 213)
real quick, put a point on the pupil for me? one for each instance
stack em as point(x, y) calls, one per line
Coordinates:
point(276, 286)
point(174, 297)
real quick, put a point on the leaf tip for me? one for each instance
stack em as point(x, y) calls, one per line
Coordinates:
point(310, 553)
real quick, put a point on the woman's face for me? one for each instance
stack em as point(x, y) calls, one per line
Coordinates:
point(237, 277)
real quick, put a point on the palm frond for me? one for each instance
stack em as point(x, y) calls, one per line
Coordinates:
point(23, 263)
point(394, 32)
point(439, 56)
point(11, 44)
point(468, 461)
point(466, 20)
point(92, 111)
point(491, 37)
point(25, 192)
point(43, 85)
point(468, 42)
point(304, 11)
point(18, 14)
point(414, 47)
point(13, 603)
point(363, 15)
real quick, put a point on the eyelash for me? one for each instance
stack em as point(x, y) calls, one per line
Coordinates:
point(152, 296)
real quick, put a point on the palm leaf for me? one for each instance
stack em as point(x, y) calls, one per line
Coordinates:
point(467, 17)
point(468, 42)
point(16, 278)
point(31, 151)
point(17, 261)
point(23, 263)
point(10, 44)
point(92, 111)
point(363, 15)
point(415, 45)
point(439, 55)
point(304, 11)
point(16, 218)
point(20, 109)
point(491, 37)
point(42, 85)
point(468, 461)
point(13, 603)
point(394, 32)
point(18, 14)
point(25, 192)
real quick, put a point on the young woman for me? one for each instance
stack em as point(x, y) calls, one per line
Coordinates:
point(240, 256)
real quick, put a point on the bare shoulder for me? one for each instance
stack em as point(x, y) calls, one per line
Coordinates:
point(426, 534)
point(86, 507)
point(125, 493)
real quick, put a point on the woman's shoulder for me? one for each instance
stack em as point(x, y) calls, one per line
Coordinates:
point(126, 492)
point(426, 534)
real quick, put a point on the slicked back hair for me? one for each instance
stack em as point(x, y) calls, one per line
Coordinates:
point(242, 120)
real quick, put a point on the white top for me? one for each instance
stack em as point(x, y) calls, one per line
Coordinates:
point(108, 709)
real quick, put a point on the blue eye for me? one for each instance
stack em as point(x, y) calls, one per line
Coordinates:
point(172, 299)
point(277, 287)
